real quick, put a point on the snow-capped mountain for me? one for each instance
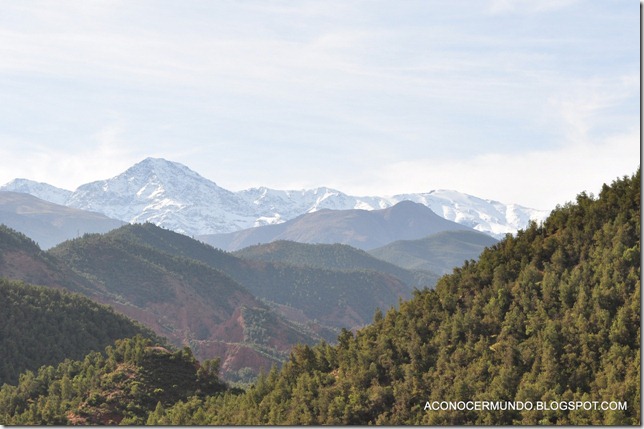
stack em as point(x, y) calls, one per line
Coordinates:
point(274, 206)
point(491, 217)
point(167, 194)
point(488, 216)
point(37, 189)
point(173, 196)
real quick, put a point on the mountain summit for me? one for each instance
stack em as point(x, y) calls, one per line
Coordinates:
point(175, 197)
point(165, 193)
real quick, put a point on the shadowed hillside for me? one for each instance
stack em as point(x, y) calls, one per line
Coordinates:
point(439, 252)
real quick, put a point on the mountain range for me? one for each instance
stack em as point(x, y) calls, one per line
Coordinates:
point(126, 242)
point(173, 196)
point(249, 307)
point(248, 310)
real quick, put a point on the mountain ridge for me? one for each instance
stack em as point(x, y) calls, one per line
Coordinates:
point(50, 223)
point(172, 195)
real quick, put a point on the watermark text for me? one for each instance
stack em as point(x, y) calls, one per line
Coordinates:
point(525, 405)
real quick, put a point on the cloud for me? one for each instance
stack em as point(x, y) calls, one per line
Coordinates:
point(106, 154)
point(537, 179)
point(594, 125)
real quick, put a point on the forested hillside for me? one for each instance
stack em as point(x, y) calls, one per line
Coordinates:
point(123, 385)
point(183, 300)
point(552, 314)
point(44, 326)
point(335, 298)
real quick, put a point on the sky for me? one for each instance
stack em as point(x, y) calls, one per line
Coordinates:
point(527, 102)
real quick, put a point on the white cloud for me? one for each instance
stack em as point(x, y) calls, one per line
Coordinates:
point(596, 145)
point(106, 154)
point(538, 179)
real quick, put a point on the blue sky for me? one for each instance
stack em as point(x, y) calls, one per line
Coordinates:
point(519, 101)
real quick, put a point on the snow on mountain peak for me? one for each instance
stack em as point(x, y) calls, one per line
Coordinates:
point(173, 196)
point(488, 216)
point(168, 194)
point(37, 189)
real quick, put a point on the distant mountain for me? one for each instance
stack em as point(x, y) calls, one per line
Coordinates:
point(358, 228)
point(491, 217)
point(440, 252)
point(48, 223)
point(38, 189)
point(167, 194)
point(275, 206)
point(171, 195)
